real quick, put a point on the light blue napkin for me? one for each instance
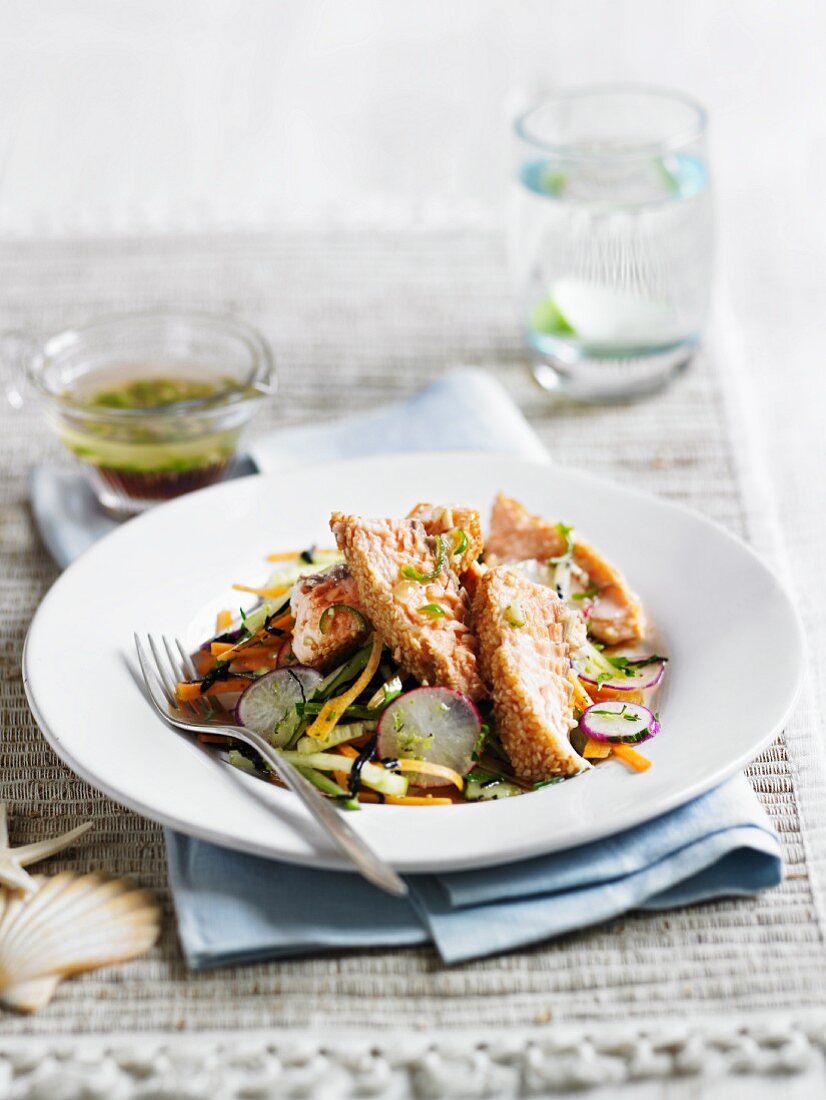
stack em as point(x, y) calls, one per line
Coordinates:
point(235, 908)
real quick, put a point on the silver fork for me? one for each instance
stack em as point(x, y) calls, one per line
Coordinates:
point(172, 664)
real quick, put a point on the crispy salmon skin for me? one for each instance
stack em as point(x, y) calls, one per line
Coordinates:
point(344, 631)
point(424, 621)
point(524, 658)
point(615, 612)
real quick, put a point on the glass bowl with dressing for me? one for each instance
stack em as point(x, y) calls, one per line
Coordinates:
point(152, 404)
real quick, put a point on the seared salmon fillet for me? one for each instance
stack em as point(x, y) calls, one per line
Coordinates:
point(524, 659)
point(453, 519)
point(343, 630)
point(615, 614)
point(423, 622)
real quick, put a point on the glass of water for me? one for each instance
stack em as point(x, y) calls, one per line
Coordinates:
point(611, 238)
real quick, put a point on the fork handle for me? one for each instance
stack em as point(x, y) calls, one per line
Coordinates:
point(359, 853)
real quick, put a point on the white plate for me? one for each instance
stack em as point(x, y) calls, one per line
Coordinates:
point(734, 639)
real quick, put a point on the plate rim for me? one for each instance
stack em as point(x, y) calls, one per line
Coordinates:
point(657, 807)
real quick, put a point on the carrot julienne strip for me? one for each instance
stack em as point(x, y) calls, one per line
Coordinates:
point(581, 699)
point(631, 757)
point(416, 800)
point(264, 658)
point(223, 620)
point(425, 767)
point(219, 649)
point(596, 750)
point(293, 555)
point(333, 709)
point(264, 593)
point(283, 622)
point(188, 690)
point(214, 739)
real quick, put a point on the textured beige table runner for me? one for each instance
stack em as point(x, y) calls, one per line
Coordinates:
point(357, 319)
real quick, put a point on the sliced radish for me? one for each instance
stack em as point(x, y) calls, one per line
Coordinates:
point(434, 724)
point(268, 705)
point(619, 723)
point(638, 674)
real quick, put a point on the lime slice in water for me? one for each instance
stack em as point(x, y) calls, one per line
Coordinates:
point(548, 319)
point(605, 315)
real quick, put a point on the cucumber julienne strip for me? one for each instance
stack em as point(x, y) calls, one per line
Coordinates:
point(328, 787)
point(372, 775)
point(340, 736)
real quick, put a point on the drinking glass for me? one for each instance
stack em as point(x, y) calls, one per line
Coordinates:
point(611, 238)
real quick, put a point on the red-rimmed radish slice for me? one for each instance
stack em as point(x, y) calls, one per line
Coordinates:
point(432, 724)
point(638, 673)
point(268, 705)
point(618, 723)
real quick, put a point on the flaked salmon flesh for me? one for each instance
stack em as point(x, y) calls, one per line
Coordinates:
point(435, 646)
point(344, 632)
point(453, 520)
point(525, 660)
point(615, 612)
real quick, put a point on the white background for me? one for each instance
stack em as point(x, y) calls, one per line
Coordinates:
point(167, 115)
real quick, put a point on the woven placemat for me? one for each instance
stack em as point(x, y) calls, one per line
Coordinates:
point(357, 319)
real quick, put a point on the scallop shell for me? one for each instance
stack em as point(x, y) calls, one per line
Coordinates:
point(70, 923)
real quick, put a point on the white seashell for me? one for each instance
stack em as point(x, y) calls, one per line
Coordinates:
point(70, 923)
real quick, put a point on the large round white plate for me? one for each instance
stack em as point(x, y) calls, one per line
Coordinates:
point(734, 640)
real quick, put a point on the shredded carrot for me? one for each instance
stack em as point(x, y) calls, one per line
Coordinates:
point(581, 699)
point(283, 622)
point(596, 750)
point(289, 555)
point(369, 796)
point(223, 621)
point(214, 739)
point(333, 709)
point(258, 658)
point(348, 750)
point(191, 689)
point(218, 649)
point(416, 800)
point(425, 767)
point(632, 758)
point(343, 780)
point(264, 593)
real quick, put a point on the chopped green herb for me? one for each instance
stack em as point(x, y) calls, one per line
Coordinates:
point(460, 542)
point(588, 594)
point(567, 534)
point(413, 574)
point(549, 782)
point(433, 611)
point(480, 741)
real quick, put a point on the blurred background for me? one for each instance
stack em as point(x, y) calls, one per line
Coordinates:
point(145, 117)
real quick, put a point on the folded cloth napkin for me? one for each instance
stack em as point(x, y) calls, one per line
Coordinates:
point(235, 908)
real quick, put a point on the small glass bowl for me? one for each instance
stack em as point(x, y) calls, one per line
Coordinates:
point(138, 456)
